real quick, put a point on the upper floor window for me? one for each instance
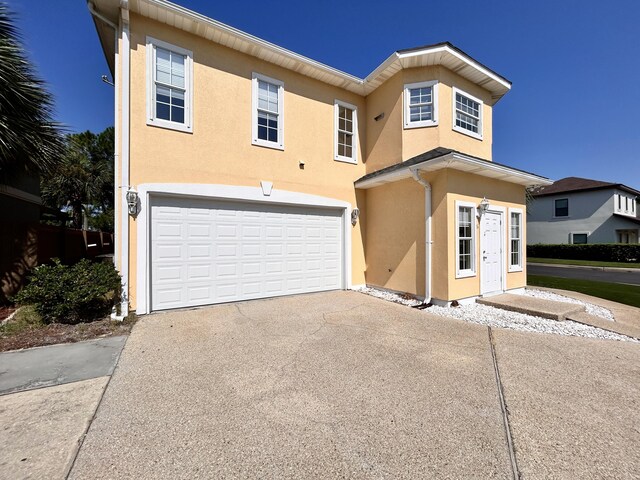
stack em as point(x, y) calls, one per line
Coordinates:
point(515, 240)
point(169, 86)
point(421, 104)
point(465, 239)
point(346, 132)
point(561, 207)
point(625, 204)
point(268, 112)
point(467, 116)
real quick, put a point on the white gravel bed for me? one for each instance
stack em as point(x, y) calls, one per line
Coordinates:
point(495, 317)
point(591, 309)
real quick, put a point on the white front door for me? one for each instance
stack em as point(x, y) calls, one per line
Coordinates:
point(491, 252)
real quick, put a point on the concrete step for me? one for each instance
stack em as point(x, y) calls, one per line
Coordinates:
point(532, 306)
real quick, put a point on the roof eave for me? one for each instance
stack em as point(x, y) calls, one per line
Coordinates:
point(458, 161)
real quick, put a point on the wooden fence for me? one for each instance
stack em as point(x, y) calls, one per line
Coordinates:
point(26, 245)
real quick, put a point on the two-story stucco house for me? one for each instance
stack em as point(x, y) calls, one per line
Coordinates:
point(245, 170)
point(581, 210)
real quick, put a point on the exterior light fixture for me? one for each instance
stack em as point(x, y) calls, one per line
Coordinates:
point(355, 213)
point(132, 201)
point(483, 207)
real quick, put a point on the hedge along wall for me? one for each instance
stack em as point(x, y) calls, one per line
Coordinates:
point(604, 252)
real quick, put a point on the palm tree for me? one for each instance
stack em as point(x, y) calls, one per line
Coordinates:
point(29, 140)
point(83, 180)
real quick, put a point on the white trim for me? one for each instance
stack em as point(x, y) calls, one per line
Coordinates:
point(515, 268)
point(187, 126)
point(225, 192)
point(199, 24)
point(571, 234)
point(354, 150)
point(279, 145)
point(502, 211)
point(124, 145)
point(554, 208)
point(517, 291)
point(447, 303)
point(474, 226)
point(433, 84)
point(464, 131)
point(456, 161)
point(10, 191)
point(358, 286)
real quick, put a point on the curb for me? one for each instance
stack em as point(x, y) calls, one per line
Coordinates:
point(586, 267)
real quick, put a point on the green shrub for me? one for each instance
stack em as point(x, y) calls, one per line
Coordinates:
point(603, 252)
point(72, 293)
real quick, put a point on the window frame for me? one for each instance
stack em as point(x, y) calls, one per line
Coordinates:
point(152, 120)
point(464, 131)
point(255, 79)
point(555, 209)
point(336, 130)
point(511, 266)
point(572, 234)
point(472, 272)
point(433, 84)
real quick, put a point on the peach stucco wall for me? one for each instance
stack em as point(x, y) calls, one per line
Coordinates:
point(390, 231)
point(395, 249)
point(219, 151)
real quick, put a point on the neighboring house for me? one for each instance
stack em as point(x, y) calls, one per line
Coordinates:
point(21, 204)
point(251, 171)
point(580, 210)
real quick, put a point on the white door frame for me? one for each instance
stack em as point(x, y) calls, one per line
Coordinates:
point(223, 192)
point(502, 211)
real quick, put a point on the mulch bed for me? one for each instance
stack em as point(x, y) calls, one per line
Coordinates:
point(61, 333)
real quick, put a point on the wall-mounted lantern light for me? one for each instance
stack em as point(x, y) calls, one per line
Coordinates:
point(483, 207)
point(355, 213)
point(132, 201)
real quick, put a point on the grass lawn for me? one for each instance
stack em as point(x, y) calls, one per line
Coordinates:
point(588, 263)
point(627, 294)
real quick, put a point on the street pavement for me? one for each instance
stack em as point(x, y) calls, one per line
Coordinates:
point(585, 273)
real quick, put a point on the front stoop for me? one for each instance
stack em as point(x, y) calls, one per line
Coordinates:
point(538, 307)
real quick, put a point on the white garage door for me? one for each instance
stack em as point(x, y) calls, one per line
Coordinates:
point(205, 252)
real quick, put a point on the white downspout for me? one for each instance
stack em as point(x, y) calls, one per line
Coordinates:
point(125, 55)
point(427, 232)
point(118, 227)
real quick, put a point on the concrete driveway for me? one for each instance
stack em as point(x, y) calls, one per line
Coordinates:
point(340, 384)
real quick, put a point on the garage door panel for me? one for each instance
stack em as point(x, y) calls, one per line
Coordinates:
point(206, 252)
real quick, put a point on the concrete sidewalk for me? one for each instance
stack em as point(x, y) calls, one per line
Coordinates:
point(58, 390)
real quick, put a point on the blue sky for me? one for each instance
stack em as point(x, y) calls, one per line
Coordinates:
point(574, 64)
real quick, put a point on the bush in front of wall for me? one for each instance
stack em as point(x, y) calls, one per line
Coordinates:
point(602, 252)
point(72, 293)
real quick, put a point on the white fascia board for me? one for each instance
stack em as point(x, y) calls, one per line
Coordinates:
point(196, 17)
point(449, 161)
point(356, 83)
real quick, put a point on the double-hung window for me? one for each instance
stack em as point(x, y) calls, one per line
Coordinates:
point(268, 112)
point(515, 240)
point(465, 239)
point(467, 116)
point(346, 132)
point(169, 86)
point(421, 104)
point(561, 207)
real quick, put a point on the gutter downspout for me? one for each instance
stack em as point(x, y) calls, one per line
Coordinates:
point(121, 148)
point(427, 232)
point(125, 54)
point(118, 207)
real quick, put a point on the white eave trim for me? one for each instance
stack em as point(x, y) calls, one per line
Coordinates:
point(461, 162)
point(345, 80)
